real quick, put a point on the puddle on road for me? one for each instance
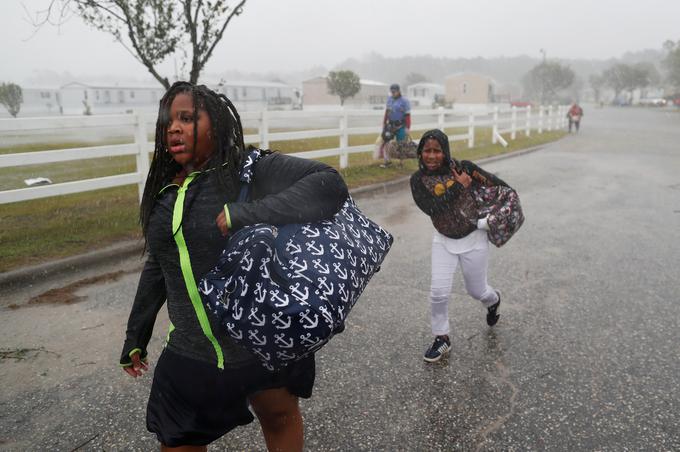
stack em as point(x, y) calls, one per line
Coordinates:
point(67, 294)
point(22, 354)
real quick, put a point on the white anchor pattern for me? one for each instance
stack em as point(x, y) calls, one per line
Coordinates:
point(284, 292)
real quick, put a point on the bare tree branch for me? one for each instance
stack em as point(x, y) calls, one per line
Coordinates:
point(191, 25)
point(152, 30)
point(95, 4)
point(236, 12)
point(145, 60)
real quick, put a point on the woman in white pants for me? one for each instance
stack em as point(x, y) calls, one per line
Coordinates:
point(443, 189)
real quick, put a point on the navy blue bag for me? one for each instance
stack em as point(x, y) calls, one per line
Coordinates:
point(283, 292)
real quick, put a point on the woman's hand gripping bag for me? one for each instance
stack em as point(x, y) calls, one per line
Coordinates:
point(502, 206)
point(283, 292)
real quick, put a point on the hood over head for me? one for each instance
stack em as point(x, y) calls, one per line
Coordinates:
point(443, 140)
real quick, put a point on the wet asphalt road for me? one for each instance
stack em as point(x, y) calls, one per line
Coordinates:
point(586, 355)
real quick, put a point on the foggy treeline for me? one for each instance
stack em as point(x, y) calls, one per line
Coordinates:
point(397, 69)
point(503, 69)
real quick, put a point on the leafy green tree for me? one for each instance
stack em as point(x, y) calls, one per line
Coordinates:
point(645, 75)
point(154, 30)
point(11, 97)
point(672, 63)
point(624, 77)
point(414, 77)
point(575, 89)
point(344, 84)
point(619, 77)
point(597, 82)
point(544, 80)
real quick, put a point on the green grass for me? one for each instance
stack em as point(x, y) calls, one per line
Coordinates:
point(13, 178)
point(36, 231)
point(59, 226)
point(33, 147)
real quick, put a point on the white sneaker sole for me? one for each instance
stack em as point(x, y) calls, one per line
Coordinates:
point(441, 355)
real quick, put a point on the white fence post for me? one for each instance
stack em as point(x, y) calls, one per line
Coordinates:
point(142, 156)
point(550, 117)
point(440, 118)
point(494, 128)
point(540, 118)
point(344, 140)
point(264, 130)
point(471, 131)
point(527, 130)
point(513, 127)
point(558, 117)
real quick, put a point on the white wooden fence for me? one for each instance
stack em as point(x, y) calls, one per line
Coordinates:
point(509, 121)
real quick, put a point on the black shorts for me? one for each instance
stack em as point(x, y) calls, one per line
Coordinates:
point(195, 403)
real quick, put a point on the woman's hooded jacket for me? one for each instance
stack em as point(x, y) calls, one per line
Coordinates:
point(451, 207)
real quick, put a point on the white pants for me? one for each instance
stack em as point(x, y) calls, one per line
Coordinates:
point(474, 264)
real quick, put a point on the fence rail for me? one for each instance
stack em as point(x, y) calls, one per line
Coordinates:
point(510, 121)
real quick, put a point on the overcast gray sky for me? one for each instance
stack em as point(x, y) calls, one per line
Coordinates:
point(286, 35)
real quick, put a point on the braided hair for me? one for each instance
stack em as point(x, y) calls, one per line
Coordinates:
point(227, 132)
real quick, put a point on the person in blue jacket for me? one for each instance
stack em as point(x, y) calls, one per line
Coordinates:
point(396, 122)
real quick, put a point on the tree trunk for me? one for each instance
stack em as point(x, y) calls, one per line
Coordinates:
point(162, 80)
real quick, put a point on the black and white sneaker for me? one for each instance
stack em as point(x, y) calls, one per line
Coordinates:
point(440, 346)
point(493, 311)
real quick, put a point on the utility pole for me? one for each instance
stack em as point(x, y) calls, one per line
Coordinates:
point(543, 76)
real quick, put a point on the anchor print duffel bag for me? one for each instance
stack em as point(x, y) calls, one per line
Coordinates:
point(283, 292)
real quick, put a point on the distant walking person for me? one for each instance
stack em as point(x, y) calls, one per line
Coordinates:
point(574, 115)
point(443, 189)
point(396, 122)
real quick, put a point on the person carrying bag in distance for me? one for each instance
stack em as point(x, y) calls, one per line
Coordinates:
point(396, 122)
point(574, 116)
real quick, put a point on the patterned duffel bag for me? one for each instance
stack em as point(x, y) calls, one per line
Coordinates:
point(283, 292)
point(505, 217)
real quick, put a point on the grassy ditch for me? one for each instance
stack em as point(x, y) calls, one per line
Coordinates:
point(40, 230)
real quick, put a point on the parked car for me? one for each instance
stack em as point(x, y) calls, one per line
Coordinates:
point(520, 103)
point(653, 102)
